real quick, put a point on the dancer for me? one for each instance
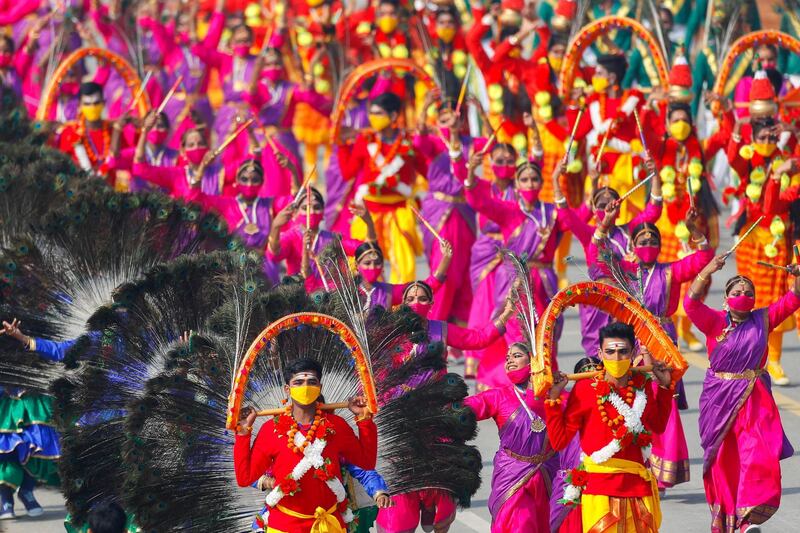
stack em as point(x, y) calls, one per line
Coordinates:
point(740, 428)
point(523, 465)
point(30, 445)
point(615, 415)
point(308, 503)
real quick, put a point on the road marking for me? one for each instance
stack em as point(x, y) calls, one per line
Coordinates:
point(473, 521)
point(783, 402)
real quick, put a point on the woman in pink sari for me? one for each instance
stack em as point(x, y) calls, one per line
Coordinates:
point(525, 463)
point(484, 259)
point(740, 427)
point(195, 164)
point(661, 288)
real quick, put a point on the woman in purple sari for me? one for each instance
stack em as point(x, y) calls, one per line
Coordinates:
point(578, 221)
point(740, 427)
point(525, 463)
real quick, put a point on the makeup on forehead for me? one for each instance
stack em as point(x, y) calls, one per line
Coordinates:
point(92, 99)
point(618, 344)
point(305, 375)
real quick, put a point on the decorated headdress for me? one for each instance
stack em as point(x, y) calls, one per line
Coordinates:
point(737, 279)
point(680, 80)
point(763, 102)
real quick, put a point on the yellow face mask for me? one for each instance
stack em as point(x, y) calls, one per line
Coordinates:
point(305, 394)
point(446, 34)
point(387, 24)
point(765, 149)
point(379, 122)
point(599, 84)
point(680, 130)
point(555, 62)
point(617, 368)
point(92, 112)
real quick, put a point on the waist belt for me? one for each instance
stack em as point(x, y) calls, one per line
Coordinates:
point(539, 264)
point(325, 521)
point(747, 374)
point(442, 197)
point(532, 459)
point(495, 236)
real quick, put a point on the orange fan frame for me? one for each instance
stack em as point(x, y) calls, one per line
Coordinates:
point(333, 325)
point(589, 34)
point(123, 68)
point(746, 42)
point(353, 80)
point(616, 303)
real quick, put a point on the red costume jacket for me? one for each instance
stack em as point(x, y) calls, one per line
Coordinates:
point(270, 451)
point(583, 416)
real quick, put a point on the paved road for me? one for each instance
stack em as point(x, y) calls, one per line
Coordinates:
point(684, 507)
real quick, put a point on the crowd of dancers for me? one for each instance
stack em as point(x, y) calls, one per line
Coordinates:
point(175, 176)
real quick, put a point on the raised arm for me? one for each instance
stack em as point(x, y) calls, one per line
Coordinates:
point(479, 197)
point(706, 319)
point(788, 303)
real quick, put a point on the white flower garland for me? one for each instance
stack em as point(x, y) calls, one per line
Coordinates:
point(312, 457)
point(633, 421)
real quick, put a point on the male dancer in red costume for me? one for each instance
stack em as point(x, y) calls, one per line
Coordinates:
point(303, 448)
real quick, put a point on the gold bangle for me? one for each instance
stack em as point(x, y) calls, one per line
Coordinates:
point(552, 402)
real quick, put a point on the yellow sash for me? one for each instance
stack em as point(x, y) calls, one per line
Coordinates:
point(622, 466)
point(324, 521)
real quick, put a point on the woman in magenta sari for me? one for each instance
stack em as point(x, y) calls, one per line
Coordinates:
point(740, 427)
point(485, 259)
point(661, 288)
point(297, 229)
point(175, 42)
point(579, 222)
point(445, 207)
point(529, 227)
point(525, 463)
point(435, 509)
point(195, 164)
point(369, 263)
point(273, 98)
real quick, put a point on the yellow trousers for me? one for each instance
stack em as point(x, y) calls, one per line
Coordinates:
point(601, 514)
point(398, 238)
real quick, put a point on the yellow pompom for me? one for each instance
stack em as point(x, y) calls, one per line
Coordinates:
point(753, 191)
point(575, 166)
point(384, 50)
point(280, 9)
point(363, 28)
point(777, 227)
point(429, 69)
point(459, 70)
point(758, 176)
point(682, 232)
point(636, 146)
point(318, 69)
point(305, 39)
point(459, 58)
point(496, 107)
point(546, 112)
point(431, 112)
point(696, 185)
point(785, 181)
point(667, 174)
point(668, 191)
point(776, 163)
point(695, 168)
point(252, 11)
point(520, 142)
point(770, 250)
point(746, 152)
point(495, 91)
point(542, 98)
point(400, 52)
point(322, 86)
point(579, 83)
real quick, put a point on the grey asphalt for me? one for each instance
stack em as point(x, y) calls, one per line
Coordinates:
point(684, 507)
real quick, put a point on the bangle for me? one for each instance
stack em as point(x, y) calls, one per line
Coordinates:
point(552, 402)
point(455, 154)
point(240, 428)
point(30, 344)
point(600, 234)
point(736, 137)
point(656, 198)
point(561, 201)
point(513, 40)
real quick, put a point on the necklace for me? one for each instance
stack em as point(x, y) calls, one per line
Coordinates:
point(311, 434)
point(250, 222)
point(603, 392)
point(537, 424)
point(92, 151)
